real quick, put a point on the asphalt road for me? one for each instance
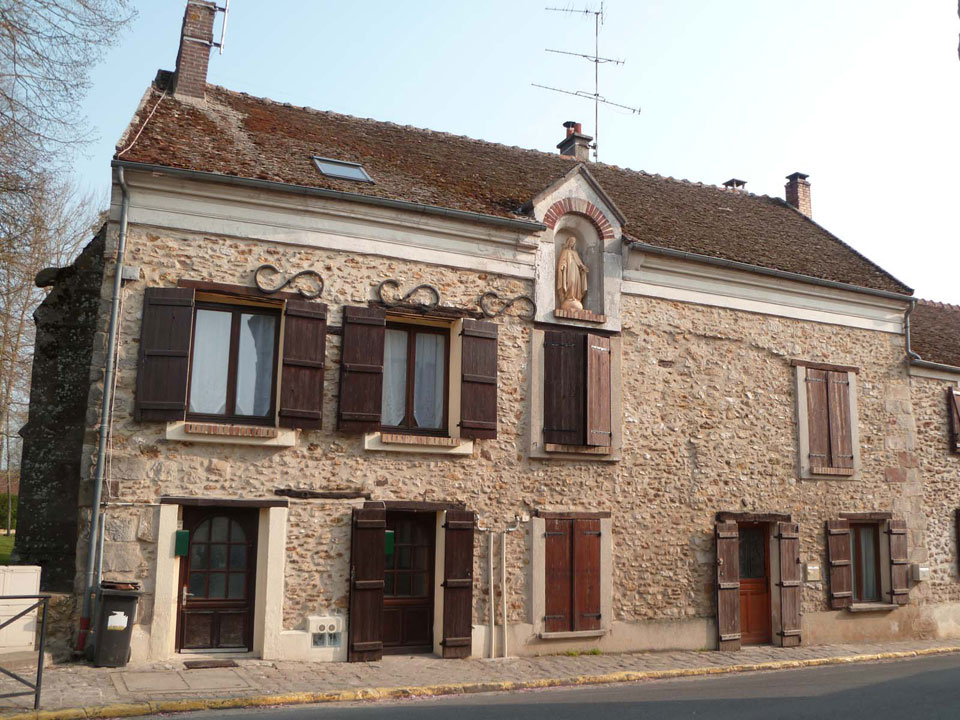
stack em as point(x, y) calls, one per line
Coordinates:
point(923, 688)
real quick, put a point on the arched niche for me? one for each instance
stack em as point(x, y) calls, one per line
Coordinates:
point(589, 246)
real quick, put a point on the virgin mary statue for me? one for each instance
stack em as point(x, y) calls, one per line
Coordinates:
point(571, 277)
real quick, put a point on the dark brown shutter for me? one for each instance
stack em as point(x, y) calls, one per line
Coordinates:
point(164, 354)
point(953, 409)
point(304, 351)
point(789, 536)
point(478, 388)
point(361, 369)
point(838, 556)
point(367, 554)
point(586, 574)
point(957, 523)
point(818, 418)
point(458, 584)
point(841, 437)
point(564, 387)
point(728, 586)
point(899, 563)
point(558, 577)
point(598, 391)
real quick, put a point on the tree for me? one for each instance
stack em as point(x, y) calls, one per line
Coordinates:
point(47, 49)
point(55, 220)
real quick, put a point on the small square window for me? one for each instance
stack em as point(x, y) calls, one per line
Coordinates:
point(342, 170)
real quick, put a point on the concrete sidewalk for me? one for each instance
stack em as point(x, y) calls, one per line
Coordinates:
point(81, 691)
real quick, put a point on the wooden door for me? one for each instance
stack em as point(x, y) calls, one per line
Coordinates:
point(365, 643)
point(217, 580)
point(755, 625)
point(409, 550)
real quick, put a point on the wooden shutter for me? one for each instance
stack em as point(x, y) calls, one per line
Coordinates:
point(728, 586)
point(164, 354)
point(361, 369)
point(957, 524)
point(304, 351)
point(367, 555)
point(478, 386)
point(818, 419)
point(564, 387)
point(953, 409)
point(458, 584)
point(899, 564)
point(558, 577)
point(586, 574)
point(841, 436)
point(788, 535)
point(598, 391)
point(838, 556)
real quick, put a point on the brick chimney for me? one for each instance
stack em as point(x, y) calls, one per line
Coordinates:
point(575, 144)
point(798, 193)
point(196, 39)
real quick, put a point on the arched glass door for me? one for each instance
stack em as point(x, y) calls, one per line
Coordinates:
point(217, 579)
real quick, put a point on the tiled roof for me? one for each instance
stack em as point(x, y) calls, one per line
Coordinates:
point(935, 332)
point(236, 134)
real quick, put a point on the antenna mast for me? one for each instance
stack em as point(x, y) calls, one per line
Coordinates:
point(223, 28)
point(597, 61)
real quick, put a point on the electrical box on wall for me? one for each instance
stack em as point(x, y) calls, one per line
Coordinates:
point(325, 632)
point(921, 572)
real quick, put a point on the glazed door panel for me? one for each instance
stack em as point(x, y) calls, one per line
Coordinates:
point(217, 580)
point(409, 551)
point(755, 621)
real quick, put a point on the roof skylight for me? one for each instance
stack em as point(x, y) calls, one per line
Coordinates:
point(341, 169)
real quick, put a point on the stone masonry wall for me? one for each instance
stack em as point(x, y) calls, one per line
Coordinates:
point(709, 424)
point(940, 469)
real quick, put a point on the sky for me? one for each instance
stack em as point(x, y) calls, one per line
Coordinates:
point(861, 95)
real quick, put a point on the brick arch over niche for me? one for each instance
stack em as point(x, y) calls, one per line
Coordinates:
point(580, 207)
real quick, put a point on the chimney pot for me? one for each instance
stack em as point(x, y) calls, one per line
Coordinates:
point(575, 144)
point(196, 40)
point(798, 193)
point(735, 184)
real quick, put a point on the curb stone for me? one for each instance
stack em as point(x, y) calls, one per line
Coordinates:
point(136, 709)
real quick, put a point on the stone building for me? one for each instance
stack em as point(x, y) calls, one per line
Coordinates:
point(383, 389)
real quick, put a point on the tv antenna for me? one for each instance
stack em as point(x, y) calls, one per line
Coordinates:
point(223, 28)
point(597, 61)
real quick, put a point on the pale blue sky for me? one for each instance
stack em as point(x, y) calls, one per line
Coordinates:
point(862, 95)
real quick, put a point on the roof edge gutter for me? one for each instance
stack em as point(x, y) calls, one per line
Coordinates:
point(465, 215)
point(930, 365)
point(760, 270)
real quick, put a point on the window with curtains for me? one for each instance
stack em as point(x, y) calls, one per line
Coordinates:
point(233, 363)
point(865, 561)
point(415, 360)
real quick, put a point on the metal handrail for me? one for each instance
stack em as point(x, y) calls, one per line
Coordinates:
point(35, 687)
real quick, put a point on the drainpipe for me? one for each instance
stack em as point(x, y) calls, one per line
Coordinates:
point(503, 579)
point(906, 330)
point(105, 407)
point(489, 533)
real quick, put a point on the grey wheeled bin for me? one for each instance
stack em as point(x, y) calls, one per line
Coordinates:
point(118, 608)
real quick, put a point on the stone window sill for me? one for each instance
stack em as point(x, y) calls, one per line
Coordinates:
point(572, 634)
point(577, 449)
point(396, 442)
point(231, 434)
point(871, 607)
